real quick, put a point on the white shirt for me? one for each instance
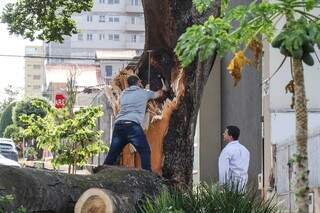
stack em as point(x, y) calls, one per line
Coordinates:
point(234, 163)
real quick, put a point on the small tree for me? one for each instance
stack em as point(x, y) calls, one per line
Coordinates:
point(71, 136)
point(239, 29)
point(71, 140)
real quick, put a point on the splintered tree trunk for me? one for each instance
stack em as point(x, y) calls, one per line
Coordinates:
point(47, 191)
point(301, 161)
point(165, 21)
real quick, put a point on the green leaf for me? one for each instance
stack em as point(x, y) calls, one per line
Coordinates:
point(202, 5)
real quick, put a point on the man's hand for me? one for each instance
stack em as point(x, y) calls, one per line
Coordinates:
point(164, 87)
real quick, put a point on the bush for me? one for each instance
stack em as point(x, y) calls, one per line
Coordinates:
point(205, 198)
point(6, 118)
point(31, 153)
point(6, 203)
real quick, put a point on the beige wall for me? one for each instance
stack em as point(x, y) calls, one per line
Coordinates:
point(34, 72)
point(208, 130)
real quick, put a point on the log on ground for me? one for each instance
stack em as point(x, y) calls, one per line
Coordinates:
point(48, 191)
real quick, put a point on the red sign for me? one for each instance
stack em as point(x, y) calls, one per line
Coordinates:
point(60, 101)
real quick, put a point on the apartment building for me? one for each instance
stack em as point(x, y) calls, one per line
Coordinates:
point(111, 25)
point(34, 71)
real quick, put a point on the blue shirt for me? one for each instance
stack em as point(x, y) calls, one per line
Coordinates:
point(133, 103)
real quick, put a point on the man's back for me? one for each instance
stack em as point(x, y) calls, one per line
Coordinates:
point(133, 103)
point(234, 162)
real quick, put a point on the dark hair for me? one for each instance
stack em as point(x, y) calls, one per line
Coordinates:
point(234, 132)
point(133, 80)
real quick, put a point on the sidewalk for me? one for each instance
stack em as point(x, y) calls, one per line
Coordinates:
point(46, 164)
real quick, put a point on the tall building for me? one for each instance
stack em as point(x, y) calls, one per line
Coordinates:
point(111, 25)
point(34, 71)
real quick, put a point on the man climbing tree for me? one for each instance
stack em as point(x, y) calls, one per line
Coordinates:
point(165, 22)
point(129, 122)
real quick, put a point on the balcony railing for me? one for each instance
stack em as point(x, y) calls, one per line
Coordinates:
point(135, 27)
point(133, 8)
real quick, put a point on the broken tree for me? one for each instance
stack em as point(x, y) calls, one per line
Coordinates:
point(47, 191)
point(172, 120)
point(165, 22)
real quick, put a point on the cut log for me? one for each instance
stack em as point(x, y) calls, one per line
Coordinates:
point(47, 191)
point(97, 200)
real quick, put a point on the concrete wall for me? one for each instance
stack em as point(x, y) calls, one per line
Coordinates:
point(209, 127)
point(242, 106)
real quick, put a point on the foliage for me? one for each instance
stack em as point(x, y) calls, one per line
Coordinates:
point(6, 118)
point(31, 153)
point(11, 94)
point(6, 202)
point(237, 27)
point(14, 132)
point(47, 20)
point(32, 107)
point(72, 140)
point(205, 198)
point(6, 107)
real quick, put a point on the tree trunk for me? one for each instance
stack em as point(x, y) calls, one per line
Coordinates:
point(46, 191)
point(165, 21)
point(301, 161)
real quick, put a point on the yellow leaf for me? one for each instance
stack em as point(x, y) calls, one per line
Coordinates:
point(236, 66)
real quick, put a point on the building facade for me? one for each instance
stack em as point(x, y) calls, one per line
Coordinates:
point(34, 71)
point(110, 25)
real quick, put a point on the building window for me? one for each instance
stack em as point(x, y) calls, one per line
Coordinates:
point(101, 36)
point(89, 37)
point(134, 2)
point(108, 71)
point(102, 1)
point(89, 18)
point(36, 66)
point(80, 36)
point(133, 20)
point(36, 87)
point(114, 19)
point(102, 19)
point(114, 37)
point(133, 38)
point(36, 77)
point(113, 1)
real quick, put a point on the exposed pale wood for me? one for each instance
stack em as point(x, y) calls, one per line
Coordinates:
point(95, 200)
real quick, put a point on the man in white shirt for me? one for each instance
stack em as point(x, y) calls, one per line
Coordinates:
point(234, 159)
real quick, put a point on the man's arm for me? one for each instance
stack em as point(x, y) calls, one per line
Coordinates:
point(160, 92)
point(224, 162)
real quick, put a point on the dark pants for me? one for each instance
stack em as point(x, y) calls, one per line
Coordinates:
point(125, 132)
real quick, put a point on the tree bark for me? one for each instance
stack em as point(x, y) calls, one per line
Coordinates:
point(301, 161)
point(165, 21)
point(47, 191)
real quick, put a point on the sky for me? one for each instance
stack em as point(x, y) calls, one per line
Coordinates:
point(11, 68)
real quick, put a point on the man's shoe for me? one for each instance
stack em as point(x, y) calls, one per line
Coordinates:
point(98, 168)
